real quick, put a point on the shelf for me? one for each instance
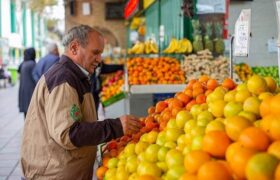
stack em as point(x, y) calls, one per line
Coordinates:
point(156, 88)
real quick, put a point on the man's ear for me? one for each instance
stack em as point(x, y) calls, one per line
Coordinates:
point(74, 47)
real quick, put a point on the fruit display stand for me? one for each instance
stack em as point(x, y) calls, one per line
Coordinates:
point(146, 77)
point(231, 133)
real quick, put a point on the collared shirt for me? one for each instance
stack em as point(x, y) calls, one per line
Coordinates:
point(84, 70)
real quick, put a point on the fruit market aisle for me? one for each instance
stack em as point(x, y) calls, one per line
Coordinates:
point(11, 123)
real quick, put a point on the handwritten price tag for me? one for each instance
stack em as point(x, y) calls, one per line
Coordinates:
point(242, 33)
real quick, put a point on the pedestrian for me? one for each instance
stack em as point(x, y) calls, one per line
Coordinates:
point(27, 83)
point(61, 130)
point(46, 62)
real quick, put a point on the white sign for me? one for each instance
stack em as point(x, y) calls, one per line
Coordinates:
point(242, 33)
point(278, 17)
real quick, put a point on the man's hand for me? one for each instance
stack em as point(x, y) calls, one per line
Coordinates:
point(130, 124)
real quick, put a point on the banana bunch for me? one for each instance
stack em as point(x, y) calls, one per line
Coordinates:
point(151, 47)
point(243, 71)
point(138, 48)
point(179, 46)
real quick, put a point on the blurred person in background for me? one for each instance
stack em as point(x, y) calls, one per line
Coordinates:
point(46, 62)
point(27, 83)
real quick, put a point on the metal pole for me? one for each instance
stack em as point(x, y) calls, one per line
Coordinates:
point(231, 57)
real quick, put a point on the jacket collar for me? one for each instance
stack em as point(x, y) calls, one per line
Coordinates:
point(74, 67)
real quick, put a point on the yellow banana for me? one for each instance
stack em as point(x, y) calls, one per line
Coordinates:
point(135, 48)
point(173, 45)
point(141, 49)
point(154, 47)
point(147, 47)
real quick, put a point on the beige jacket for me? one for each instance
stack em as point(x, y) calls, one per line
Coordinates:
point(61, 132)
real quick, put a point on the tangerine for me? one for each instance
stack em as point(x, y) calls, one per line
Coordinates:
point(213, 170)
point(216, 143)
point(254, 138)
point(195, 159)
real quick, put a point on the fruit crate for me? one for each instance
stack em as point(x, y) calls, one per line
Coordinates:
point(113, 99)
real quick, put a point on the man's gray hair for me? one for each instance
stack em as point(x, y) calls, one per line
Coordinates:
point(78, 33)
point(52, 47)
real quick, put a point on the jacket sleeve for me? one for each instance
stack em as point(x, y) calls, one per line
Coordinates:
point(35, 74)
point(66, 125)
point(87, 134)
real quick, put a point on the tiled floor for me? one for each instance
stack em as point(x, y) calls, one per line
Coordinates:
point(11, 123)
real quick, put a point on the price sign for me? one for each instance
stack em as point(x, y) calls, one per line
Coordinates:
point(278, 18)
point(242, 33)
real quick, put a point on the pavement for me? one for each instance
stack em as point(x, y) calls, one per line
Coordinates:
point(11, 124)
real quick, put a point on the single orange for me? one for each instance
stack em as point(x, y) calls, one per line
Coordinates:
point(229, 84)
point(184, 98)
point(203, 79)
point(151, 110)
point(265, 107)
point(216, 143)
point(100, 172)
point(212, 84)
point(239, 161)
point(160, 106)
point(190, 84)
point(213, 170)
point(195, 159)
point(200, 99)
point(275, 105)
point(254, 138)
point(197, 91)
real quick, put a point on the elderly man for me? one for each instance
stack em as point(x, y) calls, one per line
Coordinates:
point(61, 132)
point(46, 62)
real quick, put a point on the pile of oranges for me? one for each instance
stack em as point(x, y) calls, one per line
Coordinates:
point(163, 70)
point(208, 131)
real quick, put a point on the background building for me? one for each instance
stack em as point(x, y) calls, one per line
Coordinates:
point(93, 13)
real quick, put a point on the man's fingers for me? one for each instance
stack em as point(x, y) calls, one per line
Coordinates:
point(135, 123)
